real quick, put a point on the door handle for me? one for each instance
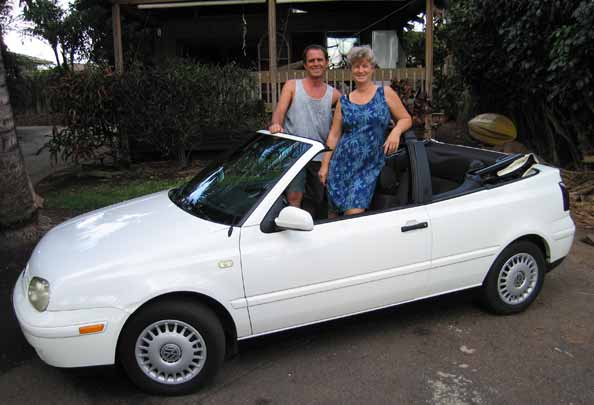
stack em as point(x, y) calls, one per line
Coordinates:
point(420, 225)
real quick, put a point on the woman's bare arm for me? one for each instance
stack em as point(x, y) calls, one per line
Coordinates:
point(400, 115)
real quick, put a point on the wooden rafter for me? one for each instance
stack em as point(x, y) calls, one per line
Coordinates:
point(117, 38)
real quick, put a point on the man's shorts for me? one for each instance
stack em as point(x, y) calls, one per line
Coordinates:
point(308, 182)
point(298, 183)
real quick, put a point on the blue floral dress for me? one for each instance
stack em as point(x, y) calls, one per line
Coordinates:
point(359, 155)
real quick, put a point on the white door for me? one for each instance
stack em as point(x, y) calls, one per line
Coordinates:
point(465, 238)
point(342, 267)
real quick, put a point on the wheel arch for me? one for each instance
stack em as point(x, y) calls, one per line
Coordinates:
point(220, 311)
point(490, 292)
point(539, 241)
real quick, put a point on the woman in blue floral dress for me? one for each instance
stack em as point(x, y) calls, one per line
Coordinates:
point(357, 137)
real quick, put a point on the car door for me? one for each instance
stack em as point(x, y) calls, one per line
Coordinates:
point(341, 267)
point(464, 245)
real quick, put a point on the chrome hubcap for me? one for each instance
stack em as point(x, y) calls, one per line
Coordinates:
point(170, 352)
point(517, 279)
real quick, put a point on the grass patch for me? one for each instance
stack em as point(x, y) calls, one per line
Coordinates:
point(87, 197)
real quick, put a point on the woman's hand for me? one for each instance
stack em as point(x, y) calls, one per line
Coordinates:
point(323, 174)
point(391, 144)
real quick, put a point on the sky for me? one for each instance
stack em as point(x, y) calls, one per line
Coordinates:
point(20, 43)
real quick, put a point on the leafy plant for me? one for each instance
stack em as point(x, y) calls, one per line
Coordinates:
point(168, 108)
point(530, 61)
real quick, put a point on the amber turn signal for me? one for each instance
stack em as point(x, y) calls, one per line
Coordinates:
point(84, 330)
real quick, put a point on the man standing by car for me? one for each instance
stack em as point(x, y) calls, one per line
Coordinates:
point(305, 109)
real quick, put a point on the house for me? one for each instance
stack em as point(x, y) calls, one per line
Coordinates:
point(239, 30)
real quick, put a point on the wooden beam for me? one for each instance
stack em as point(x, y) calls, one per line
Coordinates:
point(116, 20)
point(429, 64)
point(429, 50)
point(137, 2)
point(272, 47)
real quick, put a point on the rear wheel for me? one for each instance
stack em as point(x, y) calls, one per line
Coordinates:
point(172, 347)
point(515, 279)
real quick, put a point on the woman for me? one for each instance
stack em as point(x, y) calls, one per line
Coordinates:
point(357, 137)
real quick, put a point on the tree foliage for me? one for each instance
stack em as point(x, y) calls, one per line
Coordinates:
point(413, 43)
point(47, 18)
point(533, 62)
point(168, 107)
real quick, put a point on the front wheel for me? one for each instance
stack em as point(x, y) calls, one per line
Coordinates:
point(515, 279)
point(172, 347)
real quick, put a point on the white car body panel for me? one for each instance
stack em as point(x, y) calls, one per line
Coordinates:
point(55, 335)
point(338, 268)
point(124, 255)
point(470, 231)
point(103, 266)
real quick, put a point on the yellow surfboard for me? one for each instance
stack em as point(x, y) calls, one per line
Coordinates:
point(492, 129)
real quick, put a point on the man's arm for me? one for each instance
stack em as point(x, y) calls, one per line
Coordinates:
point(278, 118)
point(331, 142)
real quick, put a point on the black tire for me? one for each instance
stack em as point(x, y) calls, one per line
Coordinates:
point(514, 280)
point(162, 324)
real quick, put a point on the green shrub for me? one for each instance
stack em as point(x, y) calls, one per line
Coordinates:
point(531, 61)
point(169, 108)
point(86, 101)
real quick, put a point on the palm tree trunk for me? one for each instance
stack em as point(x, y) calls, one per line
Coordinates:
point(17, 201)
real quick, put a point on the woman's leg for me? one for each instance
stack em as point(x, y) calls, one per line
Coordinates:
point(354, 211)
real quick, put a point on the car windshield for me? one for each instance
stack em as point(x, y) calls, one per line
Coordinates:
point(226, 191)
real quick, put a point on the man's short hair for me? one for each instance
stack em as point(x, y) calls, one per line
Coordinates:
point(313, 47)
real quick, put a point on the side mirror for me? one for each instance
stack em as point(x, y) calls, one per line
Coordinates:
point(294, 218)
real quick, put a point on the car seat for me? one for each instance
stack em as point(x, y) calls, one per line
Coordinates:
point(392, 188)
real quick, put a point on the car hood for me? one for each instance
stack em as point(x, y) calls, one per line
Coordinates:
point(125, 235)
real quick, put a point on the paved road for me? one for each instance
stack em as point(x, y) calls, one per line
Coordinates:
point(32, 140)
point(441, 351)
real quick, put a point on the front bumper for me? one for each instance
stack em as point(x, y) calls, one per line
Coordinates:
point(55, 334)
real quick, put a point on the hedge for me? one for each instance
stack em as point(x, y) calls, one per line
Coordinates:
point(169, 108)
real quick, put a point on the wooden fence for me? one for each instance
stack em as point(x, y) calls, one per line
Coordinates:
point(339, 78)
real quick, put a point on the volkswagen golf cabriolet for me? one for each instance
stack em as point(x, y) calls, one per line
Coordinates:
point(166, 284)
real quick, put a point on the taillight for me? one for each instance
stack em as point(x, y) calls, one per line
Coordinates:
point(565, 196)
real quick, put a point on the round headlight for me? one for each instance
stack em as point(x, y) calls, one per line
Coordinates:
point(39, 293)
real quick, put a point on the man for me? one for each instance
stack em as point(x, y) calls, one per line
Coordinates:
point(305, 109)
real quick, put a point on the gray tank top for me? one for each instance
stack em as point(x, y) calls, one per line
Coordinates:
point(309, 117)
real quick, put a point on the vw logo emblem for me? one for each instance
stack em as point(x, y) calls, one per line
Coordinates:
point(170, 353)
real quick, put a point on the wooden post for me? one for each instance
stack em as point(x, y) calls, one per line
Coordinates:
point(117, 38)
point(116, 19)
point(272, 48)
point(428, 64)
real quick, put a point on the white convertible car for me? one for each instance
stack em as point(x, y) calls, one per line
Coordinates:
point(166, 284)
